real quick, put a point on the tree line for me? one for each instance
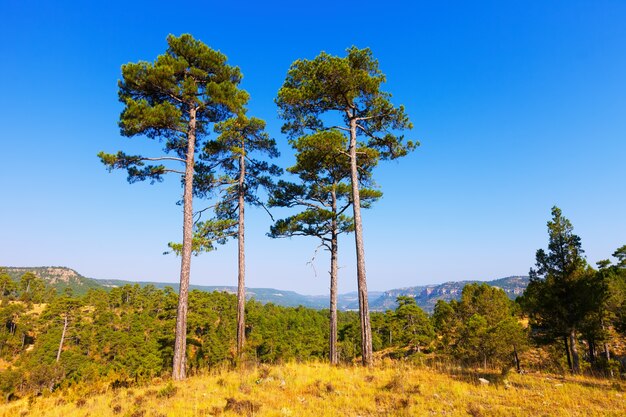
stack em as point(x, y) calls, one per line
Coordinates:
point(122, 336)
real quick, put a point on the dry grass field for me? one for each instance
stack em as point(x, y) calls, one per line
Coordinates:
point(316, 389)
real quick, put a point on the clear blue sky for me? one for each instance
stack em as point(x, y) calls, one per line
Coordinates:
point(519, 106)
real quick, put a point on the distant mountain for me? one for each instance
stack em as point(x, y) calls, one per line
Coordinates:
point(63, 277)
point(58, 277)
point(426, 296)
point(263, 295)
point(284, 298)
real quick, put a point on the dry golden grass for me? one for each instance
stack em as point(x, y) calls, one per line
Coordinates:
point(315, 389)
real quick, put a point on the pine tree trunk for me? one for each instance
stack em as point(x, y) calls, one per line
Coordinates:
point(180, 345)
point(241, 288)
point(574, 349)
point(607, 356)
point(569, 358)
point(592, 351)
point(62, 338)
point(364, 314)
point(518, 367)
point(333, 283)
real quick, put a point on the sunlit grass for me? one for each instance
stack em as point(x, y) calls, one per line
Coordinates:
point(392, 388)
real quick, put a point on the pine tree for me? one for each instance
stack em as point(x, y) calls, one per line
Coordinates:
point(176, 99)
point(415, 328)
point(323, 168)
point(346, 89)
point(233, 153)
point(481, 327)
point(555, 297)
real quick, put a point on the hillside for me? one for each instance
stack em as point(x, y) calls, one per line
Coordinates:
point(58, 277)
point(426, 296)
point(315, 389)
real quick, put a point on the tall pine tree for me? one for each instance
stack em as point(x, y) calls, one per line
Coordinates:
point(176, 99)
point(345, 94)
point(323, 168)
point(556, 295)
point(234, 155)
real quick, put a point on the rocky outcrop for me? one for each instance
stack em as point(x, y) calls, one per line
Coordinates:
point(427, 296)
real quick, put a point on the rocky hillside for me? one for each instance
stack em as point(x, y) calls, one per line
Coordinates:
point(427, 296)
point(58, 277)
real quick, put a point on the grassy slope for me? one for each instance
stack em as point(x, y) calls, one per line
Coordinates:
point(313, 389)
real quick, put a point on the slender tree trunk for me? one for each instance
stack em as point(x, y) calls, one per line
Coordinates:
point(518, 368)
point(366, 328)
point(241, 279)
point(592, 351)
point(569, 358)
point(62, 338)
point(180, 346)
point(574, 349)
point(605, 345)
point(333, 283)
point(607, 354)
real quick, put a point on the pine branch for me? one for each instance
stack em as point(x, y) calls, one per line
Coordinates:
point(174, 171)
point(165, 158)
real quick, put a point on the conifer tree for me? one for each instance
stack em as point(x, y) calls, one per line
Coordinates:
point(232, 153)
point(609, 297)
point(64, 310)
point(328, 88)
point(33, 289)
point(481, 327)
point(176, 99)
point(414, 327)
point(323, 169)
point(556, 295)
point(7, 285)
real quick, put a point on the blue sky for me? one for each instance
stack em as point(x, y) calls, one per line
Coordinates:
point(519, 106)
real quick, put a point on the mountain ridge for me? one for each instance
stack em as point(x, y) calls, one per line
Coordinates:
point(426, 296)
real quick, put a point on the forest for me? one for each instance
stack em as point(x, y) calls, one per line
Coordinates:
point(124, 336)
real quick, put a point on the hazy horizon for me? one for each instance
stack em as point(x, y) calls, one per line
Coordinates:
point(234, 285)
